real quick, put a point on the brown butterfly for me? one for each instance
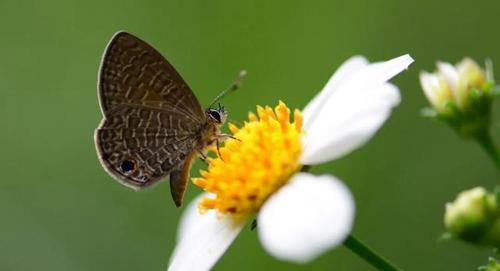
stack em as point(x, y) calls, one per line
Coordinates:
point(153, 126)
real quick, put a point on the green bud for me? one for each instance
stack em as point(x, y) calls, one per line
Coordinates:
point(460, 95)
point(474, 217)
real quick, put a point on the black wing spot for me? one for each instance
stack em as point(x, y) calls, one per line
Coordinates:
point(127, 166)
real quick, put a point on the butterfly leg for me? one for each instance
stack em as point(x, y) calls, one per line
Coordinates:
point(218, 149)
point(226, 136)
point(222, 137)
point(202, 157)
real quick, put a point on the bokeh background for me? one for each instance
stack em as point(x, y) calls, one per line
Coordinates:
point(61, 211)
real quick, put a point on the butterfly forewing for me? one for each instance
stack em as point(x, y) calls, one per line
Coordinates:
point(133, 72)
point(151, 117)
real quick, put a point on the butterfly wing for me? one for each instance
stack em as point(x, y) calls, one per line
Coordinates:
point(151, 117)
point(139, 146)
point(133, 72)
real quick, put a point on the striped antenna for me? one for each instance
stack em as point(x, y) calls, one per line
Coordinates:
point(234, 86)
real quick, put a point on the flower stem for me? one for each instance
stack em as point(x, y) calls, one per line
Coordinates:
point(484, 139)
point(363, 251)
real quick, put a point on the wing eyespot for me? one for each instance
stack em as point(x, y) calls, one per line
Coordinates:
point(127, 166)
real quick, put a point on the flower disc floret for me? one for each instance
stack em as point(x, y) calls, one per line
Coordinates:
point(259, 160)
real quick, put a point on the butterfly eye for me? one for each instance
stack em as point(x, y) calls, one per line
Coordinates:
point(214, 114)
point(127, 166)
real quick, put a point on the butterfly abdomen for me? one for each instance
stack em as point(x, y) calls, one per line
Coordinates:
point(179, 179)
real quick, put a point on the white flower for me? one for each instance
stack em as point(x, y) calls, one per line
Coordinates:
point(300, 215)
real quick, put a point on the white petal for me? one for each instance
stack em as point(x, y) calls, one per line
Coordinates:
point(191, 217)
point(353, 112)
point(430, 83)
point(202, 238)
point(305, 218)
point(450, 74)
point(347, 69)
point(355, 71)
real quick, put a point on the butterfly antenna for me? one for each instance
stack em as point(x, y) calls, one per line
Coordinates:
point(234, 86)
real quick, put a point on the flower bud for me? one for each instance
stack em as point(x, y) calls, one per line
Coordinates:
point(474, 217)
point(460, 95)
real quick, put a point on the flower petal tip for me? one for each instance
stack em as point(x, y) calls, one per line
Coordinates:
point(404, 60)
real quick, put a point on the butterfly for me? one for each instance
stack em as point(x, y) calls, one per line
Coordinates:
point(153, 125)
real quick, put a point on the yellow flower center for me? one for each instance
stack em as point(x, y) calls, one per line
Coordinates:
point(256, 164)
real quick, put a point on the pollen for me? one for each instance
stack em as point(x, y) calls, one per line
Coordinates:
point(253, 165)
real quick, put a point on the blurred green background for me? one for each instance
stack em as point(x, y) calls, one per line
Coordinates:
point(61, 211)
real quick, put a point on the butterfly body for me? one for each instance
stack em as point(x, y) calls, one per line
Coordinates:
point(153, 126)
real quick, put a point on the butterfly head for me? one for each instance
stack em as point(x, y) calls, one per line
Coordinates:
point(217, 115)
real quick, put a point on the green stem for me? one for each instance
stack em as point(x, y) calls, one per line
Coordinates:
point(363, 251)
point(484, 139)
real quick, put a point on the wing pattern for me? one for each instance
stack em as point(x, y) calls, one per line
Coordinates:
point(152, 120)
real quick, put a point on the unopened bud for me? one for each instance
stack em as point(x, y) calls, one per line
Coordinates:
point(460, 95)
point(474, 217)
